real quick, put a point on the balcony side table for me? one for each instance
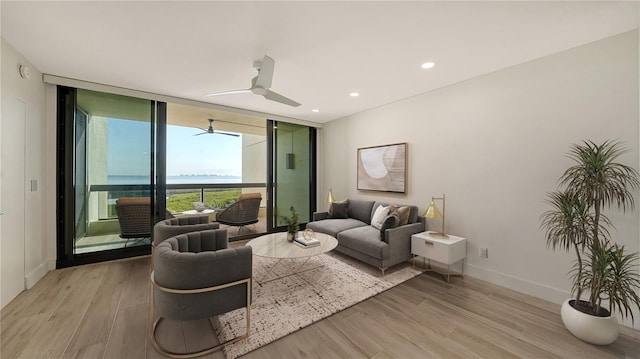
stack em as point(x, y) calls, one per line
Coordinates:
point(447, 251)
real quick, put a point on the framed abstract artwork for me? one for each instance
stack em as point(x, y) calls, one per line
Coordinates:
point(383, 168)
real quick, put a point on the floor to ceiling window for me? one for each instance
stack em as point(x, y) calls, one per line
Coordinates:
point(125, 163)
point(107, 189)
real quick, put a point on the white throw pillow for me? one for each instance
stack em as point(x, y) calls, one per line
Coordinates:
point(379, 215)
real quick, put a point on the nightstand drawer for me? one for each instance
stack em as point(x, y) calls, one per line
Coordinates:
point(445, 251)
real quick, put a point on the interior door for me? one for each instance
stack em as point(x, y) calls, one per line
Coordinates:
point(13, 197)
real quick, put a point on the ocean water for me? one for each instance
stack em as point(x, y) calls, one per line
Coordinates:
point(186, 179)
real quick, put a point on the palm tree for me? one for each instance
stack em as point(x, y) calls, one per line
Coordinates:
point(595, 182)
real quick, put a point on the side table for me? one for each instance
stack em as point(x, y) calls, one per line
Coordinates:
point(447, 251)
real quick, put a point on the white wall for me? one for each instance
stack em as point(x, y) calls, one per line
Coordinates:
point(23, 233)
point(496, 145)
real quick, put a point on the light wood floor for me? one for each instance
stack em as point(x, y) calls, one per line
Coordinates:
point(100, 311)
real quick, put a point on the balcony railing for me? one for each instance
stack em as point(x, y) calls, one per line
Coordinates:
point(180, 197)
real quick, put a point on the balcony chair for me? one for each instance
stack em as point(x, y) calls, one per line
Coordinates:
point(195, 276)
point(134, 217)
point(243, 212)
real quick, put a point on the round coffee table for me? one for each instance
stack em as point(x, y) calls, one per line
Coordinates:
point(276, 246)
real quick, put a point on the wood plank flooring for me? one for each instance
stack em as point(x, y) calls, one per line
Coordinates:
point(101, 310)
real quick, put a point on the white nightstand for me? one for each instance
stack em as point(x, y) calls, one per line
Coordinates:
point(447, 251)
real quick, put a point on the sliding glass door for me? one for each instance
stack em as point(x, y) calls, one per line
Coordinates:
point(293, 172)
point(108, 180)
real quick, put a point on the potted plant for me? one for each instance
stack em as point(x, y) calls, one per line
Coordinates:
point(576, 222)
point(292, 224)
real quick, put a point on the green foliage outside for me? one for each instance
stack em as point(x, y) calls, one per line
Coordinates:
point(182, 200)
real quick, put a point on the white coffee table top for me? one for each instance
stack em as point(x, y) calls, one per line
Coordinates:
point(193, 211)
point(275, 245)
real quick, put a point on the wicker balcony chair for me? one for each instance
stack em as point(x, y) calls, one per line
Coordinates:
point(242, 213)
point(134, 216)
point(195, 276)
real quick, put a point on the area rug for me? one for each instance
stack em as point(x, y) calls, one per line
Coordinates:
point(285, 305)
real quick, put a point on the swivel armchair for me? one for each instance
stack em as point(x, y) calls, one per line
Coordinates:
point(195, 276)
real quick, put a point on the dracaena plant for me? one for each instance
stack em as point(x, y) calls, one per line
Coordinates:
point(576, 221)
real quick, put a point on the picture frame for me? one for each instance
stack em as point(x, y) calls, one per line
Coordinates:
point(383, 168)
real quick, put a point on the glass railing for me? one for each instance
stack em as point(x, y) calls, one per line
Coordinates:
point(180, 197)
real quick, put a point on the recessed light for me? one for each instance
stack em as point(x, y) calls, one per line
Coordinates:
point(315, 110)
point(354, 94)
point(428, 65)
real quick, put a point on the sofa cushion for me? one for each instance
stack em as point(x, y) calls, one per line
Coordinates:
point(339, 210)
point(403, 211)
point(334, 226)
point(361, 210)
point(391, 221)
point(330, 211)
point(365, 239)
point(379, 214)
point(413, 210)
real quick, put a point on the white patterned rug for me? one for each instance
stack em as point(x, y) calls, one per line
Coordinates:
point(282, 306)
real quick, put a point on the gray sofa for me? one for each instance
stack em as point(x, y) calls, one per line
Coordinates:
point(359, 239)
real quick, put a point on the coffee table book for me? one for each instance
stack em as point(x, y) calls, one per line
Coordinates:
point(306, 242)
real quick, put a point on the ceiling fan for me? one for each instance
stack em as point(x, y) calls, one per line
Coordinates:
point(261, 84)
point(211, 131)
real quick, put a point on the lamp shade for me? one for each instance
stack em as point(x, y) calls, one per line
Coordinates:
point(432, 211)
point(329, 197)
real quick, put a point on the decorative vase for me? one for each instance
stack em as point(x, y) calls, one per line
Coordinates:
point(199, 206)
point(291, 236)
point(590, 328)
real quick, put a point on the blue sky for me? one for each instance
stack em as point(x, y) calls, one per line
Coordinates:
point(204, 154)
point(128, 151)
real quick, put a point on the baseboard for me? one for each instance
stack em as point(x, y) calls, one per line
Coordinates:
point(534, 289)
point(35, 275)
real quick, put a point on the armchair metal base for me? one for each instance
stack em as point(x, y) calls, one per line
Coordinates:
point(156, 322)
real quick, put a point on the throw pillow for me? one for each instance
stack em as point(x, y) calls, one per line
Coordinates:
point(390, 221)
point(403, 212)
point(379, 216)
point(339, 210)
point(330, 211)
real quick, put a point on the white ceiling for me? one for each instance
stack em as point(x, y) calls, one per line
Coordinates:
point(323, 50)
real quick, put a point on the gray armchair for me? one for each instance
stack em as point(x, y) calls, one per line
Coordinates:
point(195, 276)
point(174, 226)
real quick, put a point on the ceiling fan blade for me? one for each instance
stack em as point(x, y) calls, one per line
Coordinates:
point(228, 134)
point(229, 92)
point(265, 73)
point(273, 96)
point(201, 133)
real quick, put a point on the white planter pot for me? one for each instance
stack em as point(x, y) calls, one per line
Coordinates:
point(591, 329)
